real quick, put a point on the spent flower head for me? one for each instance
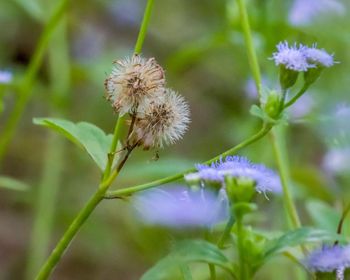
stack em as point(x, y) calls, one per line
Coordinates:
point(264, 178)
point(329, 259)
point(133, 82)
point(160, 121)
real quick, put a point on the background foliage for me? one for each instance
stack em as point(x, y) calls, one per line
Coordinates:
point(201, 46)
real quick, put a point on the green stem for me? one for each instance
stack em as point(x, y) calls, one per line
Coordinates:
point(106, 181)
point(112, 150)
point(282, 165)
point(227, 231)
point(281, 160)
point(296, 97)
point(69, 234)
point(252, 57)
point(26, 85)
point(240, 247)
point(59, 71)
point(144, 27)
point(130, 190)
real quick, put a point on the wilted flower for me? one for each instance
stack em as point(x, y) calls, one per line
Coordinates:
point(161, 121)
point(304, 11)
point(181, 207)
point(318, 57)
point(291, 57)
point(5, 77)
point(329, 259)
point(265, 179)
point(133, 82)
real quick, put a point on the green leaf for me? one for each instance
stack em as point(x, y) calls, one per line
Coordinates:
point(323, 215)
point(12, 184)
point(85, 135)
point(32, 7)
point(186, 252)
point(298, 237)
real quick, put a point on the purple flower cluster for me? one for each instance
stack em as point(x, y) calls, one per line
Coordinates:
point(328, 259)
point(265, 179)
point(300, 58)
point(180, 207)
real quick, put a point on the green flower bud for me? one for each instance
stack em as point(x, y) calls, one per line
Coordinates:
point(288, 77)
point(272, 104)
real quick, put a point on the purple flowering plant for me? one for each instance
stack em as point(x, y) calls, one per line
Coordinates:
point(219, 202)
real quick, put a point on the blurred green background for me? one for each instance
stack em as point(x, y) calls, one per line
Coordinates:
point(201, 47)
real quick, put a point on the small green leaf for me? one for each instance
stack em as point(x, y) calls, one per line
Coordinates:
point(83, 134)
point(298, 237)
point(12, 184)
point(186, 252)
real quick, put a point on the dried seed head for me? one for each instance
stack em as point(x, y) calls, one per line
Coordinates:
point(133, 81)
point(162, 121)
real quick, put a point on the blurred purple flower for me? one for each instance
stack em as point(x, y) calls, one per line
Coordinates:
point(5, 77)
point(292, 57)
point(329, 259)
point(302, 107)
point(337, 160)
point(181, 207)
point(265, 179)
point(303, 12)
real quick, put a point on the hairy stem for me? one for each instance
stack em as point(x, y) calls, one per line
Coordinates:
point(130, 190)
point(252, 57)
point(26, 85)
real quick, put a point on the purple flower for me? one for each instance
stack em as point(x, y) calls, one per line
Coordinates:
point(265, 179)
point(180, 207)
point(291, 57)
point(318, 56)
point(304, 11)
point(5, 77)
point(329, 259)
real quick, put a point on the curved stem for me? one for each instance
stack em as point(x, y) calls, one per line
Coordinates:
point(130, 190)
point(144, 26)
point(296, 97)
point(25, 87)
point(253, 60)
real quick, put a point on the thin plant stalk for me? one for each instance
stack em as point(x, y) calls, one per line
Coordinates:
point(107, 180)
point(130, 190)
point(243, 275)
point(26, 85)
point(282, 165)
point(252, 57)
point(54, 160)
